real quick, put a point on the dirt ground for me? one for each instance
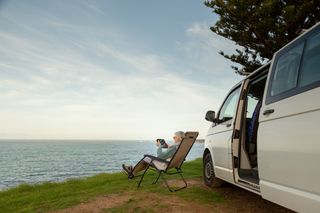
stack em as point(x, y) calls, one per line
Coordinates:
point(236, 200)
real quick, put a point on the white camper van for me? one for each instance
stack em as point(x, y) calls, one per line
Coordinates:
point(266, 135)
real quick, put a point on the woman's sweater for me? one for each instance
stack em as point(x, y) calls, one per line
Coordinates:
point(165, 153)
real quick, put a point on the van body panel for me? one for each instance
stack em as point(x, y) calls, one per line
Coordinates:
point(289, 149)
point(218, 141)
point(224, 173)
point(292, 198)
point(219, 145)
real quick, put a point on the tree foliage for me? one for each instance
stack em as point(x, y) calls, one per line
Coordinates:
point(261, 27)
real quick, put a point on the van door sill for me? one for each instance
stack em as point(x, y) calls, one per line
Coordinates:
point(252, 185)
point(250, 179)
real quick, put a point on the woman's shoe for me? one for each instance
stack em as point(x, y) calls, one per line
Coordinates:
point(128, 171)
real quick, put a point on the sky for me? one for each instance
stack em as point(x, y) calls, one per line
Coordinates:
point(81, 69)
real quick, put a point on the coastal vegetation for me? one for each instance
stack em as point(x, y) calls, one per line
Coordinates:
point(260, 28)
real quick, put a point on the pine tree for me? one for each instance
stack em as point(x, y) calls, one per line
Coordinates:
point(261, 27)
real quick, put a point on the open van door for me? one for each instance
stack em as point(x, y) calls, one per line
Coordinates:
point(240, 158)
point(244, 138)
point(220, 134)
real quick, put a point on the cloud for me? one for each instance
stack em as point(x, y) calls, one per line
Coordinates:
point(202, 50)
point(202, 33)
point(76, 97)
point(79, 86)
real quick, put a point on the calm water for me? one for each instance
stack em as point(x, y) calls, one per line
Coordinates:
point(29, 161)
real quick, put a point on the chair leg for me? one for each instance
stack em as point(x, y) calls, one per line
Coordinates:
point(154, 182)
point(143, 175)
point(185, 182)
point(165, 181)
point(174, 190)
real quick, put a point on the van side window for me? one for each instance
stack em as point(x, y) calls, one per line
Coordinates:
point(286, 71)
point(310, 72)
point(251, 105)
point(228, 109)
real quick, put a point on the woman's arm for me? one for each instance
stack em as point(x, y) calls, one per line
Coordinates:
point(166, 153)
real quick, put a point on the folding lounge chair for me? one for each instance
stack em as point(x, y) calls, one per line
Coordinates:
point(163, 166)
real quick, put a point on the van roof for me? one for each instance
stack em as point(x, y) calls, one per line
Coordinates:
point(300, 36)
point(269, 62)
point(254, 73)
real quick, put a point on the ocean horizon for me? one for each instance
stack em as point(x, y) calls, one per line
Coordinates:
point(34, 161)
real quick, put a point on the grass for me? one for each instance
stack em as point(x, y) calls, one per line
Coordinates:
point(54, 196)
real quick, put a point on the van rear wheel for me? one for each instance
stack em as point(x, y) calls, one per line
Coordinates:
point(208, 173)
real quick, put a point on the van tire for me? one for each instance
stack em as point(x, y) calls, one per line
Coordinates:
point(208, 173)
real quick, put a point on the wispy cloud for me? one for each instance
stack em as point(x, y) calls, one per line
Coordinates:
point(88, 84)
point(201, 32)
point(202, 50)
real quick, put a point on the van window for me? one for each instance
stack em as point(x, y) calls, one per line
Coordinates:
point(286, 71)
point(310, 72)
point(251, 105)
point(228, 109)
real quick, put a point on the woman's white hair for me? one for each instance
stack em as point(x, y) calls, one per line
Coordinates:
point(179, 134)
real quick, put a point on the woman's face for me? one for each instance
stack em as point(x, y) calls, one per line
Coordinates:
point(177, 139)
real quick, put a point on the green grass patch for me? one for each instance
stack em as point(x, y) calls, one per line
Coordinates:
point(53, 196)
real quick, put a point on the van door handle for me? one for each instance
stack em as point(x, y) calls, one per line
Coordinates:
point(228, 125)
point(268, 111)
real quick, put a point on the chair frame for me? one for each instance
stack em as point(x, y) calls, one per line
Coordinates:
point(166, 171)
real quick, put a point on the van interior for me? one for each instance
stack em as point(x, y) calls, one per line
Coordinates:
point(248, 167)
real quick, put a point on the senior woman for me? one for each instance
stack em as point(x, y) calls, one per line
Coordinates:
point(163, 153)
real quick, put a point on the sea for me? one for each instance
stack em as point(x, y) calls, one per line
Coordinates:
point(36, 161)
